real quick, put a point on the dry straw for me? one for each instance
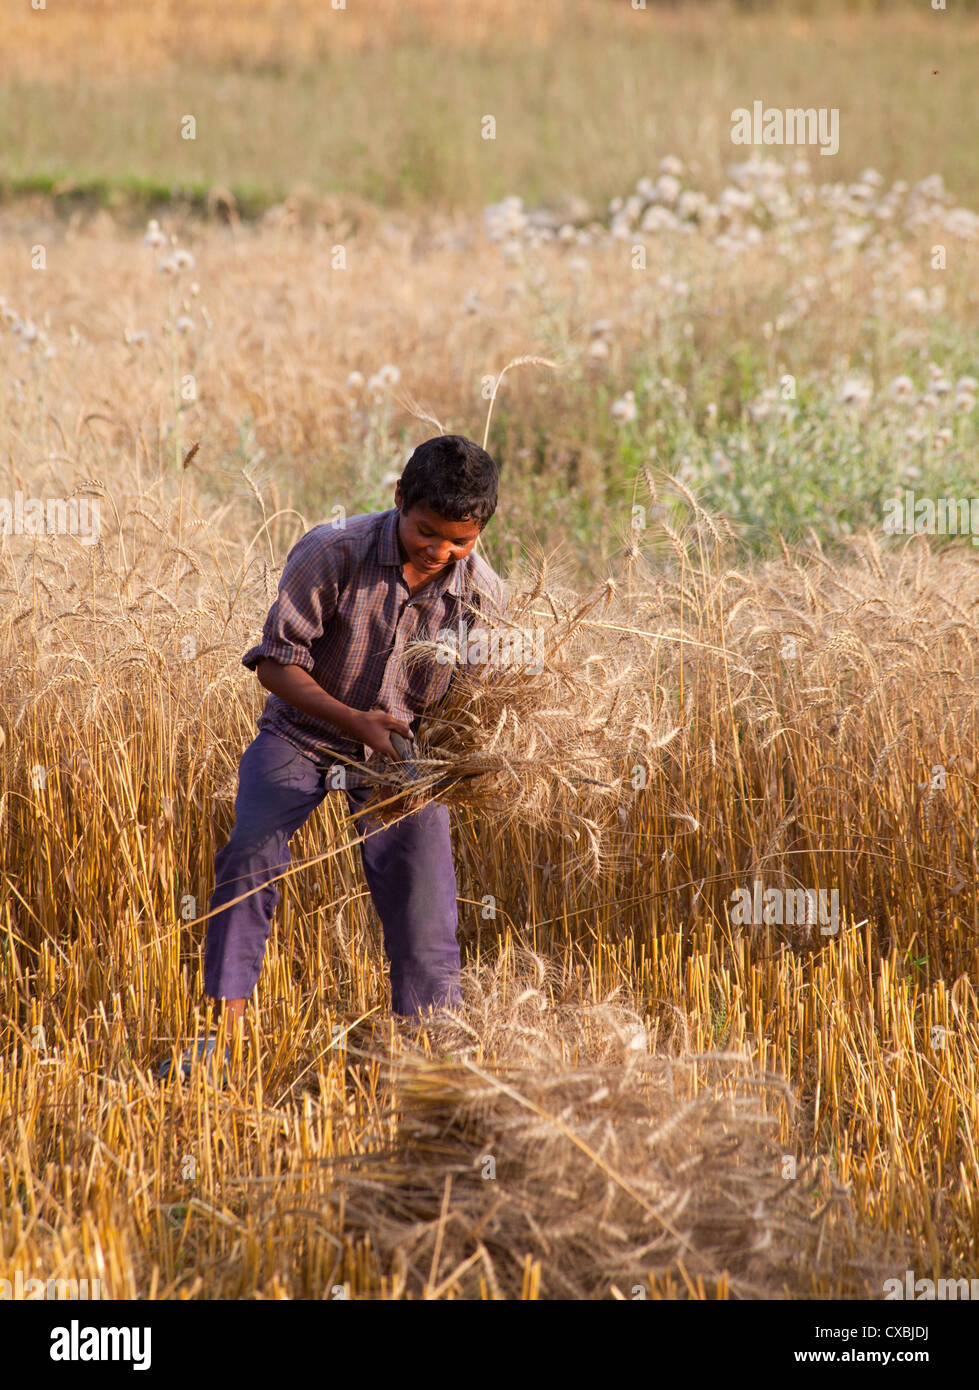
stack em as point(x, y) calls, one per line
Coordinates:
point(805, 761)
point(573, 1156)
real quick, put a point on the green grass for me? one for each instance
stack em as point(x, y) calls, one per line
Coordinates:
point(588, 116)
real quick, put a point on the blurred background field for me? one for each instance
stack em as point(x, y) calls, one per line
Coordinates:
point(314, 125)
point(337, 255)
point(383, 100)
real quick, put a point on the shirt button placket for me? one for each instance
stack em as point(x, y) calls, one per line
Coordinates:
point(391, 665)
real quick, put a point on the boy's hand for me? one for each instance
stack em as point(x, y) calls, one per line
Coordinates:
point(374, 729)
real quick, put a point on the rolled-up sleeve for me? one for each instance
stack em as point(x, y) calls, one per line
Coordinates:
point(306, 602)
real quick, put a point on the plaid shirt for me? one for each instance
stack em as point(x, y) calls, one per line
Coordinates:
point(344, 613)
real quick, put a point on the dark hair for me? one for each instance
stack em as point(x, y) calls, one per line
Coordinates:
point(453, 476)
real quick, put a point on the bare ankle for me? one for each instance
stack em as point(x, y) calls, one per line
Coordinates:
point(235, 1010)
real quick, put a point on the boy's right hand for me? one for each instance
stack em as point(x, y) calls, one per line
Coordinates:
point(374, 728)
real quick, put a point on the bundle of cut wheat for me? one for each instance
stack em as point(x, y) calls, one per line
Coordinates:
point(571, 1142)
point(537, 725)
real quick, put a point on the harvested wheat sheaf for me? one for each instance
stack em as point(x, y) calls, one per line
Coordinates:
point(552, 736)
point(574, 1145)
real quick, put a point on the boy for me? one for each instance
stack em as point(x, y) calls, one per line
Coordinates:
point(350, 599)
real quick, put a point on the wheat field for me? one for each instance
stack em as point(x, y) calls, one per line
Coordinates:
point(750, 694)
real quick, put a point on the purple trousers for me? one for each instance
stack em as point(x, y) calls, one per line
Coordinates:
point(408, 868)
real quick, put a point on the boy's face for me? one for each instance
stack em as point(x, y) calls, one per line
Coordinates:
point(428, 541)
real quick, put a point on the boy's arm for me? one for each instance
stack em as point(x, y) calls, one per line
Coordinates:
point(297, 687)
point(306, 602)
